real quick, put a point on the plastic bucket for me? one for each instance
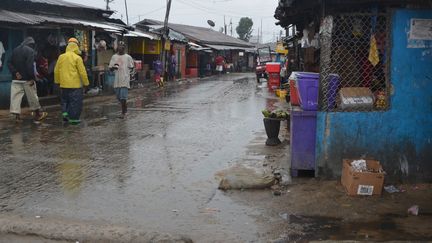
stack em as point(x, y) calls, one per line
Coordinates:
point(307, 84)
point(303, 138)
point(273, 80)
point(273, 67)
point(332, 89)
point(294, 97)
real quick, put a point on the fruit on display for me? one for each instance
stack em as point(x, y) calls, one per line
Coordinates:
point(266, 113)
point(280, 114)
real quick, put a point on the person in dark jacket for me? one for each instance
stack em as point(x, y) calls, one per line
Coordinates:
point(172, 66)
point(23, 69)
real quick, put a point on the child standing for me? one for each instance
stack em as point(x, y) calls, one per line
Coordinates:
point(158, 69)
point(122, 64)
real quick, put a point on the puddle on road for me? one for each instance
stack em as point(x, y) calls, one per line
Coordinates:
point(388, 228)
point(126, 172)
point(241, 81)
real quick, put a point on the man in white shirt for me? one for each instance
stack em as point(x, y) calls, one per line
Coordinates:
point(122, 64)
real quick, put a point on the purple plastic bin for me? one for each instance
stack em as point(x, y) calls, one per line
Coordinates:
point(307, 84)
point(333, 87)
point(300, 75)
point(303, 137)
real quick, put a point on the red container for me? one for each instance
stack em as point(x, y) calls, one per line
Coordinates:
point(273, 81)
point(273, 67)
point(138, 65)
point(294, 95)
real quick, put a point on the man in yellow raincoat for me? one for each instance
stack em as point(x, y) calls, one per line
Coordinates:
point(71, 75)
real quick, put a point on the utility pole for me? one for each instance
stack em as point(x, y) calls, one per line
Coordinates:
point(107, 3)
point(258, 39)
point(231, 26)
point(165, 36)
point(261, 36)
point(225, 26)
point(127, 15)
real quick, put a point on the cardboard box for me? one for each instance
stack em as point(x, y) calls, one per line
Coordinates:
point(363, 183)
point(356, 98)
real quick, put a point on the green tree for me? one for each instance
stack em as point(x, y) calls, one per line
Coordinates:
point(244, 28)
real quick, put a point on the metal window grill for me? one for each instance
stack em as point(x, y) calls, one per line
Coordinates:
point(353, 65)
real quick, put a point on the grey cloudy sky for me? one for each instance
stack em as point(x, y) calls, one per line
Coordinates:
point(197, 12)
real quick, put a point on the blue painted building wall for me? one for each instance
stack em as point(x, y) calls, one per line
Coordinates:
point(401, 137)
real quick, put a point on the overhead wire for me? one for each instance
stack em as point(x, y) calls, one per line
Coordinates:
point(198, 2)
point(197, 5)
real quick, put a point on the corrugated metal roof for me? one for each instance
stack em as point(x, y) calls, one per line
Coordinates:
point(61, 3)
point(177, 36)
point(173, 35)
point(19, 18)
point(201, 34)
point(100, 25)
point(224, 48)
point(227, 48)
point(138, 33)
point(32, 19)
point(196, 47)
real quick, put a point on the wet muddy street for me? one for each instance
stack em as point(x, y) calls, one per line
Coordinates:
point(155, 172)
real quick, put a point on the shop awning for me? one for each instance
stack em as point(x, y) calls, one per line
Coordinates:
point(18, 18)
point(34, 19)
point(101, 25)
point(150, 36)
point(196, 47)
point(227, 48)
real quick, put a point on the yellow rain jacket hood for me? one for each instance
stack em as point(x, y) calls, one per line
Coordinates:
point(70, 72)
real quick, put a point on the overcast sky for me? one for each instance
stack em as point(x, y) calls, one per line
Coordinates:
point(197, 12)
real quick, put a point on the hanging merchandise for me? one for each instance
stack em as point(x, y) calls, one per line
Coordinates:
point(52, 39)
point(56, 40)
point(79, 35)
point(326, 27)
point(357, 28)
point(83, 38)
point(380, 102)
point(2, 51)
point(373, 51)
point(115, 41)
point(167, 45)
point(86, 42)
point(280, 48)
point(315, 42)
point(305, 43)
point(61, 40)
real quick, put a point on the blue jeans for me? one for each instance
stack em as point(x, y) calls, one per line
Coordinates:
point(72, 102)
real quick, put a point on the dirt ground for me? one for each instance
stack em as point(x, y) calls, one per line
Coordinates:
point(313, 209)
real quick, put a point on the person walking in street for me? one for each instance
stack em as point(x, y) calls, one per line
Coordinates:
point(158, 68)
point(220, 61)
point(172, 66)
point(122, 64)
point(23, 69)
point(71, 75)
